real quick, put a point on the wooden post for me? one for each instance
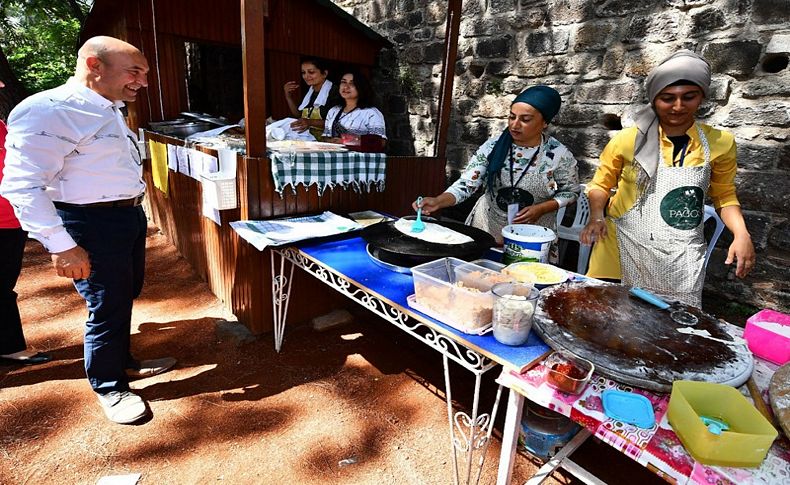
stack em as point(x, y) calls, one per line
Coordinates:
point(252, 48)
point(448, 76)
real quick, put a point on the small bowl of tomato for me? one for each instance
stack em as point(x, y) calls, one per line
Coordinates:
point(566, 373)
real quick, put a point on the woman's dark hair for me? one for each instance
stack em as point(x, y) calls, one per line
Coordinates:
point(367, 99)
point(321, 64)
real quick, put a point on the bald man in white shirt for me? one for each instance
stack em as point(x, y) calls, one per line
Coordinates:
point(74, 177)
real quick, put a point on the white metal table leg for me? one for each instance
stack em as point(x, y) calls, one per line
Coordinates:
point(469, 435)
point(558, 461)
point(281, 295)
point(515, 406)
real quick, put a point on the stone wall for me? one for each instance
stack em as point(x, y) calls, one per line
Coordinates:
point(597, 53)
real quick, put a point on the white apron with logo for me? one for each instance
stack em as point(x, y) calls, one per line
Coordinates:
point(661, 240)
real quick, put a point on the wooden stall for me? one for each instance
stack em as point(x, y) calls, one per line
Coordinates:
point(272, 35)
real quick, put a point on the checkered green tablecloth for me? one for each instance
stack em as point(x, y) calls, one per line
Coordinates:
point(361, 171)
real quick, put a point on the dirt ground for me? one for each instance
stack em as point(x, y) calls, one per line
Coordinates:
point(234, 411)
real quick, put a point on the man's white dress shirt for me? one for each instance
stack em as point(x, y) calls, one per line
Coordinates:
point(67, 144)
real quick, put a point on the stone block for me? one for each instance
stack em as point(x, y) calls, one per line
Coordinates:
point(762, 156)
point(594, 36)
point(475, 132)
point(779, 44)
point(577, 115)
point(401, 38)
point(737, 58)
point(547, 42)
point(496, 7)
point(498, 67)
point(414, 19)
point(493, 46)
point(435, 14)
point(569, 11)
point(719, 88)
point(583, 63)
point(423, 34)
point(773, 114)
point(491, 106)
point(586, 142)
point(779, 236)
point(434, 52)
point(652, 28)
point(770, 12)
point(706, 21)
point(528, 19)
point(765, 191)
point(639, 62)
point(776, 85)
point(465, 107)
point(613, 62)
point(606, 93)
point(620, 8)
point(532, 66)
point(479, 27)
point(472, 8)
point(413, 55)
point(404, 6)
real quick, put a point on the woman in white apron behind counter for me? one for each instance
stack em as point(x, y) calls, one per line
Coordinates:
point(663, 168)
point(315, 104)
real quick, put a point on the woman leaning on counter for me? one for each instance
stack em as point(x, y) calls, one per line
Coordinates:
point(356, 116)
point(529, 174)
point(315, 104)
point(663, 168)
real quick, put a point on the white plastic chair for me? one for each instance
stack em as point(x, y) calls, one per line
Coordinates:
point(572, 233)
point(711, 212)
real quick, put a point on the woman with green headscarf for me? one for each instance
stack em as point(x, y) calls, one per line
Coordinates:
point(529, 175)
point(663, 169)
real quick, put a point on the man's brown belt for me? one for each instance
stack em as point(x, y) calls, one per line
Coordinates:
point(133, 202)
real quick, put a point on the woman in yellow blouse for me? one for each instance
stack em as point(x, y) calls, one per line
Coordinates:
point(652, 233)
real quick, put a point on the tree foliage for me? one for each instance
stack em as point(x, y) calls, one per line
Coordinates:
point(40, 39)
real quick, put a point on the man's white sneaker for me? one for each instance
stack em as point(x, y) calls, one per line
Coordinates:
point(152, 367)
point(123, 407)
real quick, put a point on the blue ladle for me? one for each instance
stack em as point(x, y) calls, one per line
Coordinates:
point(418, 225)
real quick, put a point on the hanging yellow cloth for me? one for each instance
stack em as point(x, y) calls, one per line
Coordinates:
point(159, 165)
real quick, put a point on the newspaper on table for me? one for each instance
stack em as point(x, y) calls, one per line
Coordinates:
point(280, 232)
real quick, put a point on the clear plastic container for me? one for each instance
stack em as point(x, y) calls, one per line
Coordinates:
point(456, 291)
point(568, 374)
point(748, 439)
point(488, 264)
point(514, 305)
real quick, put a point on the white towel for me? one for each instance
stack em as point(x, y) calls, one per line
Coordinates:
point(323, 95)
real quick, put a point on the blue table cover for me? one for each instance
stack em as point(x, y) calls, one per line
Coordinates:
point(349, 258)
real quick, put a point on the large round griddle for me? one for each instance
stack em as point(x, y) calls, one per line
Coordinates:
point(634, 342)
point(390, 245)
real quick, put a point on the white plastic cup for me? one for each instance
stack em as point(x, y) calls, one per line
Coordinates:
point(514, 305)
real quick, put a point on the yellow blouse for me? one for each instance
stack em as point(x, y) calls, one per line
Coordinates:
point(617, 171)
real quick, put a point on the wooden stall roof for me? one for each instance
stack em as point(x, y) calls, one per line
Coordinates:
point(294, 28)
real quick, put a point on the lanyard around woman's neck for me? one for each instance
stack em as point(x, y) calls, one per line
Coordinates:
point(529, 164)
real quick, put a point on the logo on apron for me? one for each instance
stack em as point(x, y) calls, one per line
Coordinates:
point(683, 207)
point(511, 195)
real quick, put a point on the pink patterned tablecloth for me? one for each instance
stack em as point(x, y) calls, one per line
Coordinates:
point(657, 448)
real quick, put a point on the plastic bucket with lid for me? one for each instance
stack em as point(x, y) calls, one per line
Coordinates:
point(526, 242)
